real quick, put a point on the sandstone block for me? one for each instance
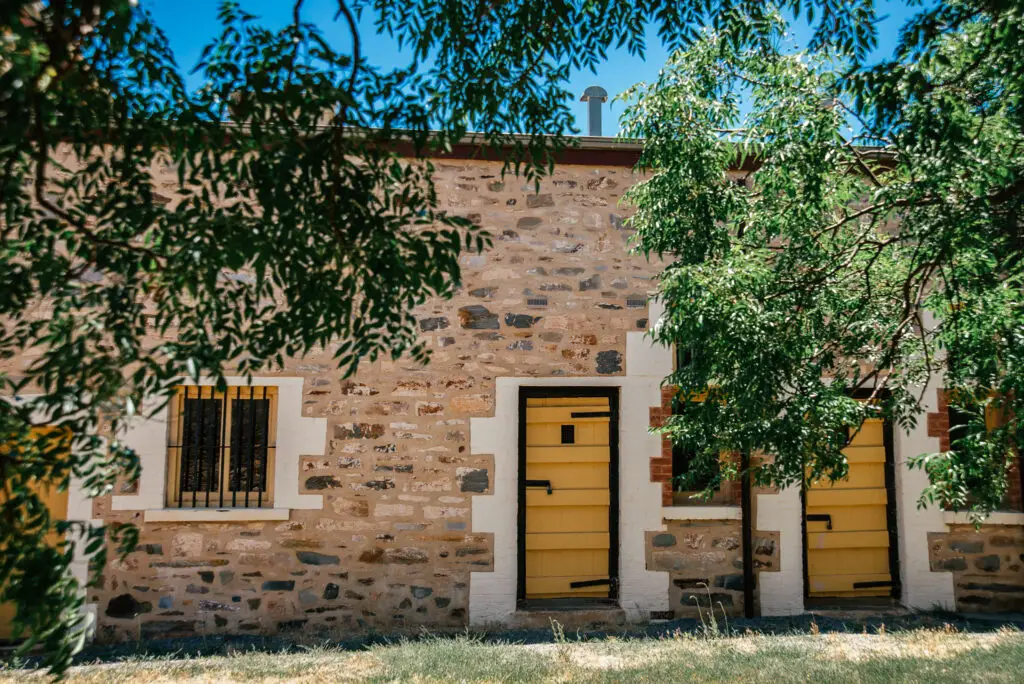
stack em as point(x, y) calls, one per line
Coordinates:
point(359, 431)
point(988, 563)
point(188, 544)
point(536, 201)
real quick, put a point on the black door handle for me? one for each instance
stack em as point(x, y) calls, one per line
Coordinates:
point(539, 483)
point(821, 517)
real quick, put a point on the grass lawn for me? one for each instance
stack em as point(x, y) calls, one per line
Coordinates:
point(918, 655)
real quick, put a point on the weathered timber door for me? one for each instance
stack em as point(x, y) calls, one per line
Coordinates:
point(57, 502)
point(568, 510)
point(850, 523)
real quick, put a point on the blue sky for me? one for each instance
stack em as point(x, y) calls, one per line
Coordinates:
point(190, 24)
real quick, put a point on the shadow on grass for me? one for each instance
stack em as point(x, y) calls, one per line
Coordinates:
point(300, 641)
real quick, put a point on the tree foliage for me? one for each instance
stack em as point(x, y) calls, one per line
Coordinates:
point(304, 214)
point(872, 242)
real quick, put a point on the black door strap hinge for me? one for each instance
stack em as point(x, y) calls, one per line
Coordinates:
point(591, 414)
point(606, 582)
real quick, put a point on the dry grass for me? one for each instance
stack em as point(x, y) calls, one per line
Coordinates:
point(908, 656)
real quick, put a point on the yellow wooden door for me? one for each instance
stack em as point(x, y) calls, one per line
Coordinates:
point(567, 497)
point(57, 502)
point(847, 524)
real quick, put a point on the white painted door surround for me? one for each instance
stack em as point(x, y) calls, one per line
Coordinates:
point(492, 595)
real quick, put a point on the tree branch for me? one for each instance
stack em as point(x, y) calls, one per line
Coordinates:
point(356, 53)
point(42, 158)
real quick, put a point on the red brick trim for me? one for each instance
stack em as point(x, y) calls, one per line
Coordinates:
point(938, 422)
point(661, 466)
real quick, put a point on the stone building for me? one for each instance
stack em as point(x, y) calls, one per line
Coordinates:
point(513, 475)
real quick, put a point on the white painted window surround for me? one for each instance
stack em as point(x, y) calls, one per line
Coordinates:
point(215, 514)
point(296, 436)
point(995, 518)
point(702, 513)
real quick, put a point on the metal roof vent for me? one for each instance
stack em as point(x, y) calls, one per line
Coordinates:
point(595, 96)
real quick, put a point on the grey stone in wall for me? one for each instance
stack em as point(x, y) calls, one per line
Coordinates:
point(476, 317)
point(609, 362)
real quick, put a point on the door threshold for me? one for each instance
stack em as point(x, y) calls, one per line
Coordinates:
point(848, 603)
point(567, 604)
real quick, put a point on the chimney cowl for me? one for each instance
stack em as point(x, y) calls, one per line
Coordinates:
point(594, 96)
point(594, 91)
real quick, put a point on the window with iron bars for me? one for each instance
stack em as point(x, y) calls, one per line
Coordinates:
point(221, 447)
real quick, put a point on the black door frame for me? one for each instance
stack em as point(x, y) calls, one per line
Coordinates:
point(612, 394)
point(890, 508)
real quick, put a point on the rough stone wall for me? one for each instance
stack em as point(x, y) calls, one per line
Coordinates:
point(987, 566)
point(704, 559)
point(393, 546)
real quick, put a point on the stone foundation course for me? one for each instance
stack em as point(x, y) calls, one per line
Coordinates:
point(704, 559)
point(987, 566)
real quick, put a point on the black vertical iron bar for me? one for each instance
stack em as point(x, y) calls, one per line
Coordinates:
point(238, 417)
point(224, 443)
point(183, 451)
point(213, 455)
point(192, 457)
point(236, 445)
point(266, 452)
point(199, 468)
point(251, 461)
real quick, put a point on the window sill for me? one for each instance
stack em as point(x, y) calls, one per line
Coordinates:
point(997, 518)
point(702, 513)
point(215, 514)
